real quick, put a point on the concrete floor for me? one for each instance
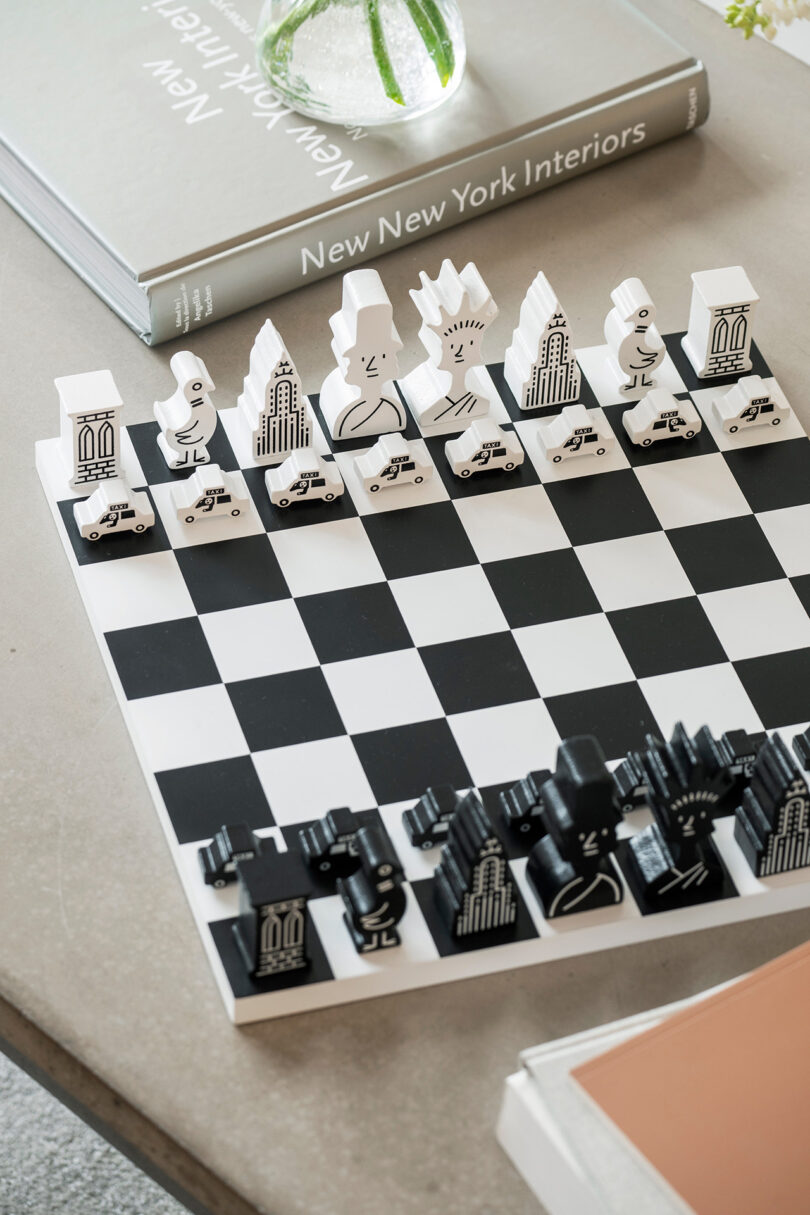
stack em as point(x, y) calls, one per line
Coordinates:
point(52, 1163)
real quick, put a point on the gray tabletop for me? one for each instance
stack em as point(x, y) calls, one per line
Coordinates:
point(388, 1104)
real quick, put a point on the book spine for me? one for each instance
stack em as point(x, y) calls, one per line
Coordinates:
point(360, 231)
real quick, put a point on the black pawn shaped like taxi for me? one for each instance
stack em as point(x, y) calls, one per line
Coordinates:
point(736, 751)
point(773, 823)
point(473, 887)
point(428, 822)
point(330, 844)
point(373, 895)
point(570, 868)
point(522, 805)
point(674, 863)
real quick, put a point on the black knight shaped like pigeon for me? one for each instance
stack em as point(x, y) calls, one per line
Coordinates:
point(570, 868)
point(373, 895)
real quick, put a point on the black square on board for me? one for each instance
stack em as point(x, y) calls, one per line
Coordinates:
point(541, 587)
point(686, 371)
point(422, 540)
point(603, 506)
point(153, 659)
point(488, 481)
point(773, 475)
point(204, 797)
point(618, 715)
point(240, 573)
point(156, 470)
point(522, 930)
point(673, 448)
point(779, 686)
point(478, 673)
point(110, 548)
point(662, 637)
point(282, 710)
point(354, 623)
point(801, 586)
point(242, 985)
point(402, 761)
point(724, 554)
point(297, 514)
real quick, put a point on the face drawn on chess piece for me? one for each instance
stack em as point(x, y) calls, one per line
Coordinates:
point(359, 397)
point(456, 310)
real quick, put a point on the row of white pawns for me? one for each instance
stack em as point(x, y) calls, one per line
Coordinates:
point(450, 390)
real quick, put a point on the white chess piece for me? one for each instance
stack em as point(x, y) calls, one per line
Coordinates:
point(635, 343)
point(187, 419)
point(271, 404)
point(751, 402)
point(660, 415)
point(451, 385)
point(359, 397)
point(90, 437)
point(540, 366)
point(575, 431)
point(718, 341)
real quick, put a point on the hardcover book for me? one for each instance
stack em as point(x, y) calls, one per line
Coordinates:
point(154, 158)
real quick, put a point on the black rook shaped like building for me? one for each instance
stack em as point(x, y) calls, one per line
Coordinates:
point(271, 931)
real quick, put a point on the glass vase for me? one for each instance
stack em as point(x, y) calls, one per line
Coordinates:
point(362, 62)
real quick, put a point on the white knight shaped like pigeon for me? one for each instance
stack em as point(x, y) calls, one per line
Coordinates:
point(187, 419)
point(359, 397)
point(635, 344)
point(452, 385)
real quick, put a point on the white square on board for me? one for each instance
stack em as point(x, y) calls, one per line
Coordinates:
point(360, 688)
point(504, 743)
point(179, 729)
point(712, 696)
point(448, 606)
point(696, 489)
point(595, 364)
point(132, 591)
point(511, 523)
point(203, 530)
point(305, 780)
point(321, 557)
point(788, 533)
point(762, 618)
point(262, 639)
point(634, 570)
point(416, 943)
point(572, 655)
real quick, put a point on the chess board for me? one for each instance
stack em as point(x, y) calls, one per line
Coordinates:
point(353, 653)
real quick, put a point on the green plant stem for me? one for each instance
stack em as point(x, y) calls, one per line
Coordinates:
point(279, 44)
point(381, 57)
point(434, 13)
point(433, 44)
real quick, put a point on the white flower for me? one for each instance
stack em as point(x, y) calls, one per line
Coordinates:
point(782, 12)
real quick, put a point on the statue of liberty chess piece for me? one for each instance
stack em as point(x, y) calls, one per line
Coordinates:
point(674, 863)
point(373, 895)
point(635, 344)
point(187, 419)
point(359, 397)
point(452, 385)
point(570, 868)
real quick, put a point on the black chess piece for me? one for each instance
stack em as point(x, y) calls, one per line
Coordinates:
point(330, 844)
point(521, 807)
point(674, 863)
point(630, 783)
point(570, 868)
point(473, 885)
point(373, 895)
point(801, 748)
point(772, 825)
point(233, 842)
point(736, 751)
point(427, 823)
point(272, 929)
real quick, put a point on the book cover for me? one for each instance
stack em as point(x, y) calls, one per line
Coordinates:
point(717, 1097)
point(151, 154)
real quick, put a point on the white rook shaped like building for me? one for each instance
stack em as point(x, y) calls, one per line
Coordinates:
point(718, 341)
point(91, 427)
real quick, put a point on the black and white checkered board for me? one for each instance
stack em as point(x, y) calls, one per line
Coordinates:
point(353, 653)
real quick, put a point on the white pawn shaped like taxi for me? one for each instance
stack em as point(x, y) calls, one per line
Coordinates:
point(187, 419)
point(750, 402)
point(393, 460)
point(208, 492)
point(303, 477)
point(635, 344)
point(113, 508)
point(660, 415)
point(483, 445)
point(573, 432)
